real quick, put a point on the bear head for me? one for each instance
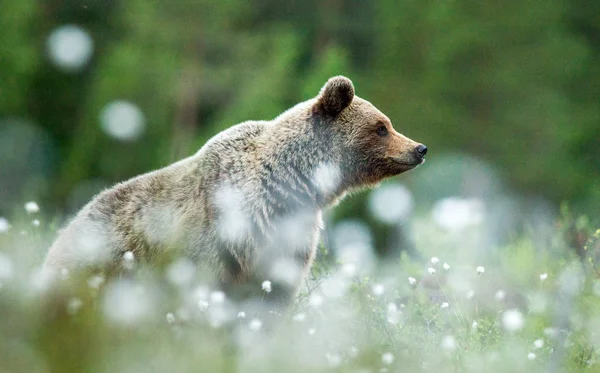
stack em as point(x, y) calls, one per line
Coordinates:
point(368, 145)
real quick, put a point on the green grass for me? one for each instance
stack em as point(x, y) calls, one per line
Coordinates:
point(455, 320)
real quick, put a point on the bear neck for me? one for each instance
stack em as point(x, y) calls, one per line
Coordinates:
point(301, 171)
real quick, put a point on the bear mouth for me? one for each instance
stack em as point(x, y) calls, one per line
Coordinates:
point(406, 164)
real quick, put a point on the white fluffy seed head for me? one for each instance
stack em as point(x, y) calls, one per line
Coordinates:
point(4, 225)
point(435, 260)
point(446, 266)
point(266, 286)
point(6, 267)
point(299, 317)
point(378, 289)
point(512, 320)
point(387, 358)
point(170, 318)
point(538, 343)
point(412, 281)
point(255, 325)
point(431, 270)
point(449, 343)
point(480, 269)
point(32, 207)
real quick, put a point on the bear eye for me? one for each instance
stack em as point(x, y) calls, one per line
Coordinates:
point(382, 130)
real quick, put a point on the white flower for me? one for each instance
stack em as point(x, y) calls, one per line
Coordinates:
point(378, 289)
point(393, 316)
point(241, 315)
point(217, 297)
point(255, 325)
point(543, 276)
point(412, 280)
point(74, 305)
point(470, 294)
point(266, 286)
point(6, 267)
point(449, 343)
point(36, 223)
point(435, 260)
point(315, 300)
point(95, 281)
point(431, 270)
point(538, 343)
point(531, 356)
point(387, 358)
point(299, 317)
point(32, 207)
point(128, 260)
point(170, 318)
point(474, 325)
point(480, 270)
point(446, 266)
point(445, 305)
point(202, 305)
point(4, 226)
point(500, 295)
point(512, 320)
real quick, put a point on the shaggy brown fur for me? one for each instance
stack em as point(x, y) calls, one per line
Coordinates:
point(247, 206)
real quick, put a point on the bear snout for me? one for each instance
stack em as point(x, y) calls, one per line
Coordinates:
point(421, 150)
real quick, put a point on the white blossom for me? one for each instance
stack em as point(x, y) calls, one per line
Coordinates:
point(32, 207)
point(500, 295)
point(449, 343)
point(266, 286)
point(435, 260)
point(543, 276)
point(217, 297)
point(299, 317)
point(74, 305)
point(538, 343)
point(170, 318)
point(255, 325)
point(480, 270)
point(531, 356)
point(4, 225)
point(378, 289)
point(431, 270)
point(202, 305)
point(512, 320)
point(387, 358)
point(35, 223)
point(445, 305)
point(446, 266)
point(412, 280)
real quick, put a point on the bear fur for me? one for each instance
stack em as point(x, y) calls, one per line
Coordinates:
point(247, 206)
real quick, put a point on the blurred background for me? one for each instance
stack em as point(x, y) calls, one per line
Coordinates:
point(505, 94)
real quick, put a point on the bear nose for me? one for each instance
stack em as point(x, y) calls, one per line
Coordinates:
point(421, 150)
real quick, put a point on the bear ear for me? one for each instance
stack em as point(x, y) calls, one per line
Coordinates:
point(334, 97)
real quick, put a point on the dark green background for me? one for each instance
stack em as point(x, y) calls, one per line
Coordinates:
point(515, 83)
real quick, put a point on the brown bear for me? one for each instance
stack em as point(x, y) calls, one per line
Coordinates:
point(247, 206)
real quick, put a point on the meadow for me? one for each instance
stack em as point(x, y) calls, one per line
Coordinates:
point(465, 304)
